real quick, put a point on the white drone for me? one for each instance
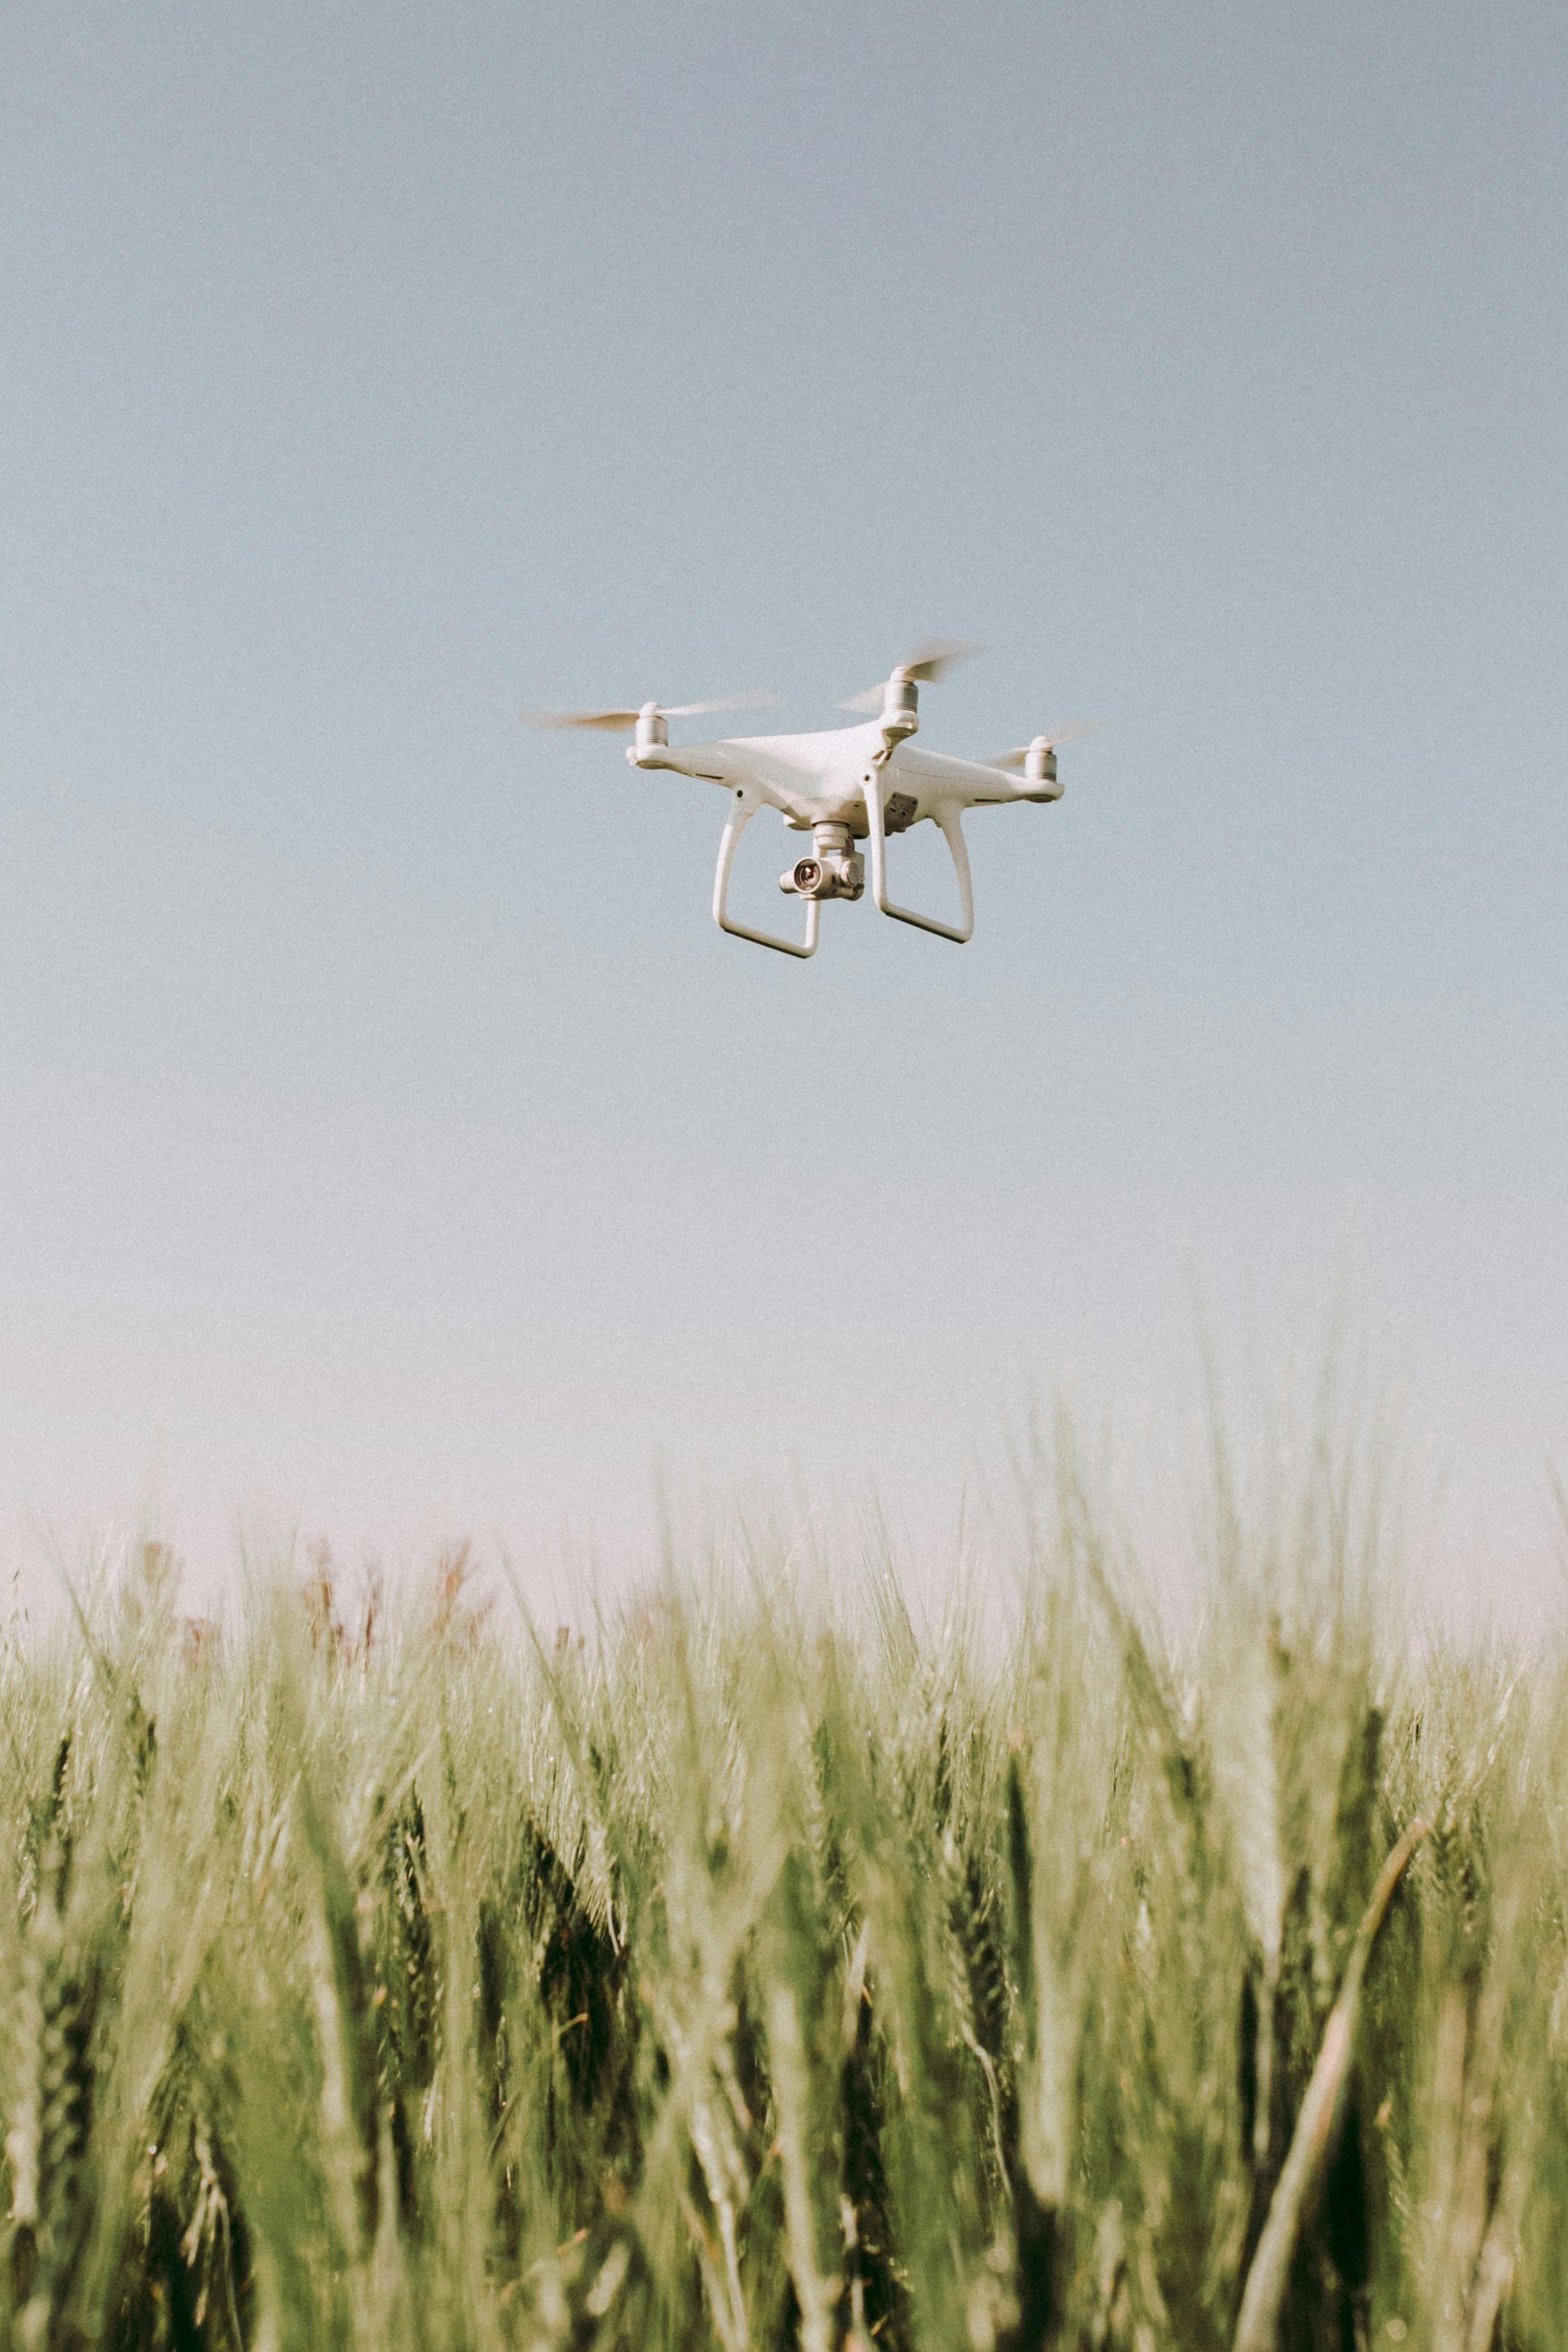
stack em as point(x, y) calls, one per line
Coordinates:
point(842, 785)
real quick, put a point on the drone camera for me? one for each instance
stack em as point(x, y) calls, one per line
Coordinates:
point(833, 872)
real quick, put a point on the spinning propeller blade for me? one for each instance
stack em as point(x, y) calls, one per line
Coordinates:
point(615, 722)
point(1072, 731)
point(930, 659)
point(729, 702)
point(624, 722)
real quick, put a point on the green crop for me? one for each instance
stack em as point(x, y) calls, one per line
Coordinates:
point(750, 1975)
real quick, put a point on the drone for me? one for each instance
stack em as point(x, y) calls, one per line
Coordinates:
point(842, 785)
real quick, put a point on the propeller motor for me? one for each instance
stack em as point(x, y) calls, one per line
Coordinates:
point(897, 698)
point(1038, 758)
point(649, 724)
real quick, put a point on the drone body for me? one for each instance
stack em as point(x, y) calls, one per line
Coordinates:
point(843, 785)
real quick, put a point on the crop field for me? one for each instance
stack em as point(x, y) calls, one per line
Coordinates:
point(754, 1974)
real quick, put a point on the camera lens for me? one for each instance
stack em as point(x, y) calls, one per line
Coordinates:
point(807, 874)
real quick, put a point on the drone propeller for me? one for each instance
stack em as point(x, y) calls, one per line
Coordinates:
point(624, 722)
point(932, 658)
point(1072, 732)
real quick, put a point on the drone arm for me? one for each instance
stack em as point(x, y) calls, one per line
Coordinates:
point(949, 817)
point(743, 808)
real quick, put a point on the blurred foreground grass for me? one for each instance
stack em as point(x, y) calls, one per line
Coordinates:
point(757, 1977)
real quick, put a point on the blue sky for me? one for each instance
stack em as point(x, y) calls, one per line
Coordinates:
point(390, 1145)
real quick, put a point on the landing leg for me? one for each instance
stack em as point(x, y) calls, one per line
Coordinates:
point(949, 820)
point(742, 809)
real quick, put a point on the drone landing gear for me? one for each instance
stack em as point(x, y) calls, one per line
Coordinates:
point(949, 820)
point(834, 872)
point(742, 809)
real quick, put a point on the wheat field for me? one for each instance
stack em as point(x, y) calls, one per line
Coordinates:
point(759, 1973)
